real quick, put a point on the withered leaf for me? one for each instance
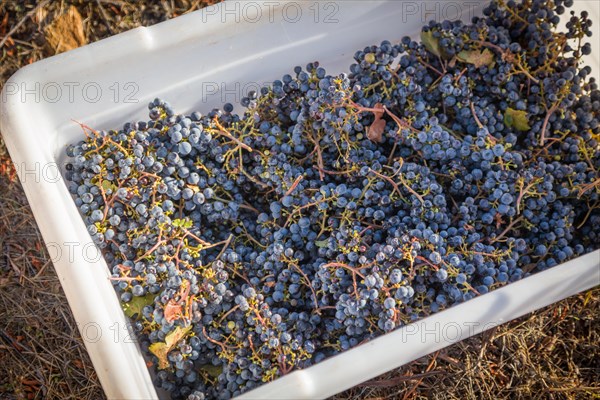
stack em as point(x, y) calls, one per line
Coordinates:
point(476, 57)
point(378, 114)
point(172, 311)
point(161, 350)
point(66, 31)
point(375, 132)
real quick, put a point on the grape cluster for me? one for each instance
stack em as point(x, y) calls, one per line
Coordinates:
point(334, 209)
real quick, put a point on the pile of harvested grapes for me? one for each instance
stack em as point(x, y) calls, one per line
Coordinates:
point(338, 208)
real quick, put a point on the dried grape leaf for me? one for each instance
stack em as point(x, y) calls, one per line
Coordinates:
point(172, 311)
point(378, 114)
point(375, 132)
point(476, 57)
point(66, 32)
point(516, 119)
point(161, 350)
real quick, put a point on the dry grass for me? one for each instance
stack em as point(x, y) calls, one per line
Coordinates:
point(41, 353)
point(551, 354)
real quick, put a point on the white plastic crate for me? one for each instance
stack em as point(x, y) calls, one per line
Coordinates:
point(199, 61)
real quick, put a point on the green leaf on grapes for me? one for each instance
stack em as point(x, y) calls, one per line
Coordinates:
point(431, 43)
point(516, 119)
point(476, 57)
point(161, 350)
point(322, 243)
point(106, 185)
point(212, 370)
point(133, 309)
point(182, 223)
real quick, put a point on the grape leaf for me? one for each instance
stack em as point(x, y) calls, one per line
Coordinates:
point(476, 57)
point(106, 185)
point(375, 131)
point(172, 311)
point(322, 243)
point(380, 110)
point(431, 43)
point(133, 309)
point(183, 223)
point(212, 370)
point(161, 350)
point(516, 119)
